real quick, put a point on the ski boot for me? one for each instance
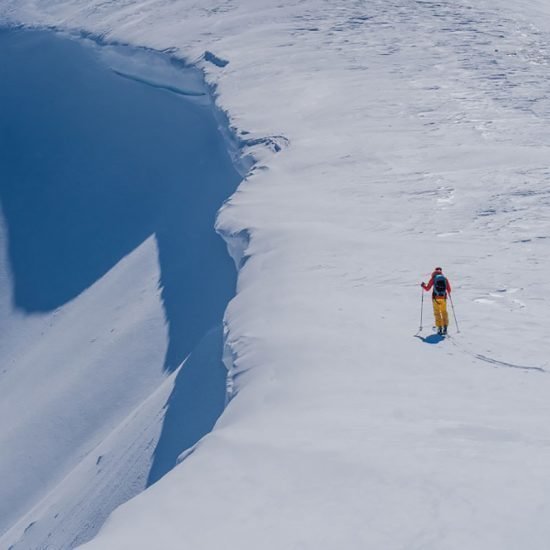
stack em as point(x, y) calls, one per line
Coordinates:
point(440, 331)
point(444, 330)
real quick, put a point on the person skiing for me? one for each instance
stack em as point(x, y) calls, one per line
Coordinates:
point(441, 289)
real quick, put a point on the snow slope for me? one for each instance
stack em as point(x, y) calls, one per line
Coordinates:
point(413, 134)
point(111, 276)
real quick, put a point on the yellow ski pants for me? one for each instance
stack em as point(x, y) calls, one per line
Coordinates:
point(440, 312)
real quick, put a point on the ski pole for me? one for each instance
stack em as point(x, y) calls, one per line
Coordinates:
point(421, 308)
point(454, 314)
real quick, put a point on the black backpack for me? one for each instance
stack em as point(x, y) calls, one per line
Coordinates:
point(440, 285)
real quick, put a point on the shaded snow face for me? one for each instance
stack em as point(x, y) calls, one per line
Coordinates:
point(92, 164)
point(99, 152)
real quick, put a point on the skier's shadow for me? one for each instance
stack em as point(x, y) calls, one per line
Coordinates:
point(431, 339)
point(90, 168)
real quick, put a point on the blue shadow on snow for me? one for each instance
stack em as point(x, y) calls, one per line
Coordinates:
point(91, 165)
point(431, 339)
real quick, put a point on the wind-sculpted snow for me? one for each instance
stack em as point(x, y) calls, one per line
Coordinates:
point(91, 167)
point(415, 134)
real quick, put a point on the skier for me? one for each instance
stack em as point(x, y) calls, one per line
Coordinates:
point(441, 288)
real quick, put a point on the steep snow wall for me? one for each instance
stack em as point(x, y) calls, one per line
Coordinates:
point(112, 168)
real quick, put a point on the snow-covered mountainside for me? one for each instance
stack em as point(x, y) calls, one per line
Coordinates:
point(112, 274)
point(389, 136)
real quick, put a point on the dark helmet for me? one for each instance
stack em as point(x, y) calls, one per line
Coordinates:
point(438, 270)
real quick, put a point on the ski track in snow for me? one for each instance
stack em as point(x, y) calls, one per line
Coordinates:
point(411, 134)
point(491, 360)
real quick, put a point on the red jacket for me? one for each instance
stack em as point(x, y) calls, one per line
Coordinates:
point(431, 283)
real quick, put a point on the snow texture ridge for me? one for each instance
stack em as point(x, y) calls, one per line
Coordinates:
point(415, 134)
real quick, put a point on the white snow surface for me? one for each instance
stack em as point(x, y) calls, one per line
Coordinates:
point(417, 136)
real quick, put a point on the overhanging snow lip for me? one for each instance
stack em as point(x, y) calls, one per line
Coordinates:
point(242, 149)
point(215, 204)
point(243, 146)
